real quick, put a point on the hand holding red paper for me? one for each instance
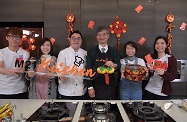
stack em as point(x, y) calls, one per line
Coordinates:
point(148, 58)
point(159, 65)
point(160, 71)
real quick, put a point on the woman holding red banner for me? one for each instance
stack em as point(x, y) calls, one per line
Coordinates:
point(162, 71)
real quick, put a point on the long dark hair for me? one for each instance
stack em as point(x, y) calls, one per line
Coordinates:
point(155, 53)
point(39, 52)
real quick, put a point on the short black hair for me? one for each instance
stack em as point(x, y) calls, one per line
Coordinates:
point(132, 44)
point(101, 28)
point(75, 31)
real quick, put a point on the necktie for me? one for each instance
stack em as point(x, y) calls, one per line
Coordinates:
point(102, 50)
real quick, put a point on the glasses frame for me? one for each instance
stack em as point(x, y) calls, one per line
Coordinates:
point(14, 37)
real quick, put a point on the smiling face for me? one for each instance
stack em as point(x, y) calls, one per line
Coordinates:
point(46, 48)
point(13, 40)
point(102, 37)
point(130, 50)
point(160, 46)
point(75, 41)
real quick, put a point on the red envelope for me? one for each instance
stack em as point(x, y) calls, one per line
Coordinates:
point(157, 64)
point(139, 8)
point(148, 58)
point(142, 41)
point(91, 24)
point(164, 66)
point(183, 26)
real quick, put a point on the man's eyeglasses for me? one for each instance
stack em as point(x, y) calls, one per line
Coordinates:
point(14, 37)
point(104, 34)
point(78, 38)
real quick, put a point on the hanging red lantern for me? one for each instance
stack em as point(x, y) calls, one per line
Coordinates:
point(70, 18)
point(118, 27)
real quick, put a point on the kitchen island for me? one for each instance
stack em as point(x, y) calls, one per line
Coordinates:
point(26, 107)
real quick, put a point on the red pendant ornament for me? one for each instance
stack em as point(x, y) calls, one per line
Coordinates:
point(169, 18)
point(70, 19)
point(27, 44)
point(118, 27)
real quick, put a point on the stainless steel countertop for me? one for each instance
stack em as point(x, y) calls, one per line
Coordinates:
point(27, 107)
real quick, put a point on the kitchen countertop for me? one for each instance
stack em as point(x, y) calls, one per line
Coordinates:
point(27, 107)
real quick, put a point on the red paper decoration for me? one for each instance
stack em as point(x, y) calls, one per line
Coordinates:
point(139, 8)
point(118, 27)
point(70, 19)
point(183, 26)
point(91, 24)
point(169, 18)
point(142, 40)
point(52, 40)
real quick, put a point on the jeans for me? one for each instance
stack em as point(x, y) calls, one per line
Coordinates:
point(130, 90)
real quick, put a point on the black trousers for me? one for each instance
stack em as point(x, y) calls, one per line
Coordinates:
point(14, 96)
point(150, 96)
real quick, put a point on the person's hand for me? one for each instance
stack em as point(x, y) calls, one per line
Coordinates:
point(147, 71)
point(10, 72)
point(122, 74)
point(50, 75)
point(91, 92)
point(20, 70)
point(150, 66)
point(160, 71)
point(110, 64)
point(31, 73)
point(63, 77)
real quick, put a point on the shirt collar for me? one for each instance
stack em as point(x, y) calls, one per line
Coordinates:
point(106, 48)
point(72, 50)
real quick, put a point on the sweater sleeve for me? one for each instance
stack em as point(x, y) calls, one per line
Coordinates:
point(116, 58)
point(89, 63)
point(171, 72)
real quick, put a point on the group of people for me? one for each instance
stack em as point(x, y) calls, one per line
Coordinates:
point(41, 82)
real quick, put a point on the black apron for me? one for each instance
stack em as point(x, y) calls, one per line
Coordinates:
point(103, 91)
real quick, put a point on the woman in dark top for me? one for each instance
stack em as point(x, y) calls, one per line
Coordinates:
point(158, 85)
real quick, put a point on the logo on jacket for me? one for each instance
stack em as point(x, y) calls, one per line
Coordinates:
point(78, 61)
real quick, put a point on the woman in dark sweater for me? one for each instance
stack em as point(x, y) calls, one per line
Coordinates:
point(158, 85)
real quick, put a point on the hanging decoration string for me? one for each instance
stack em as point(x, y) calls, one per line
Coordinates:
point(118, 27)
point(70, 19)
